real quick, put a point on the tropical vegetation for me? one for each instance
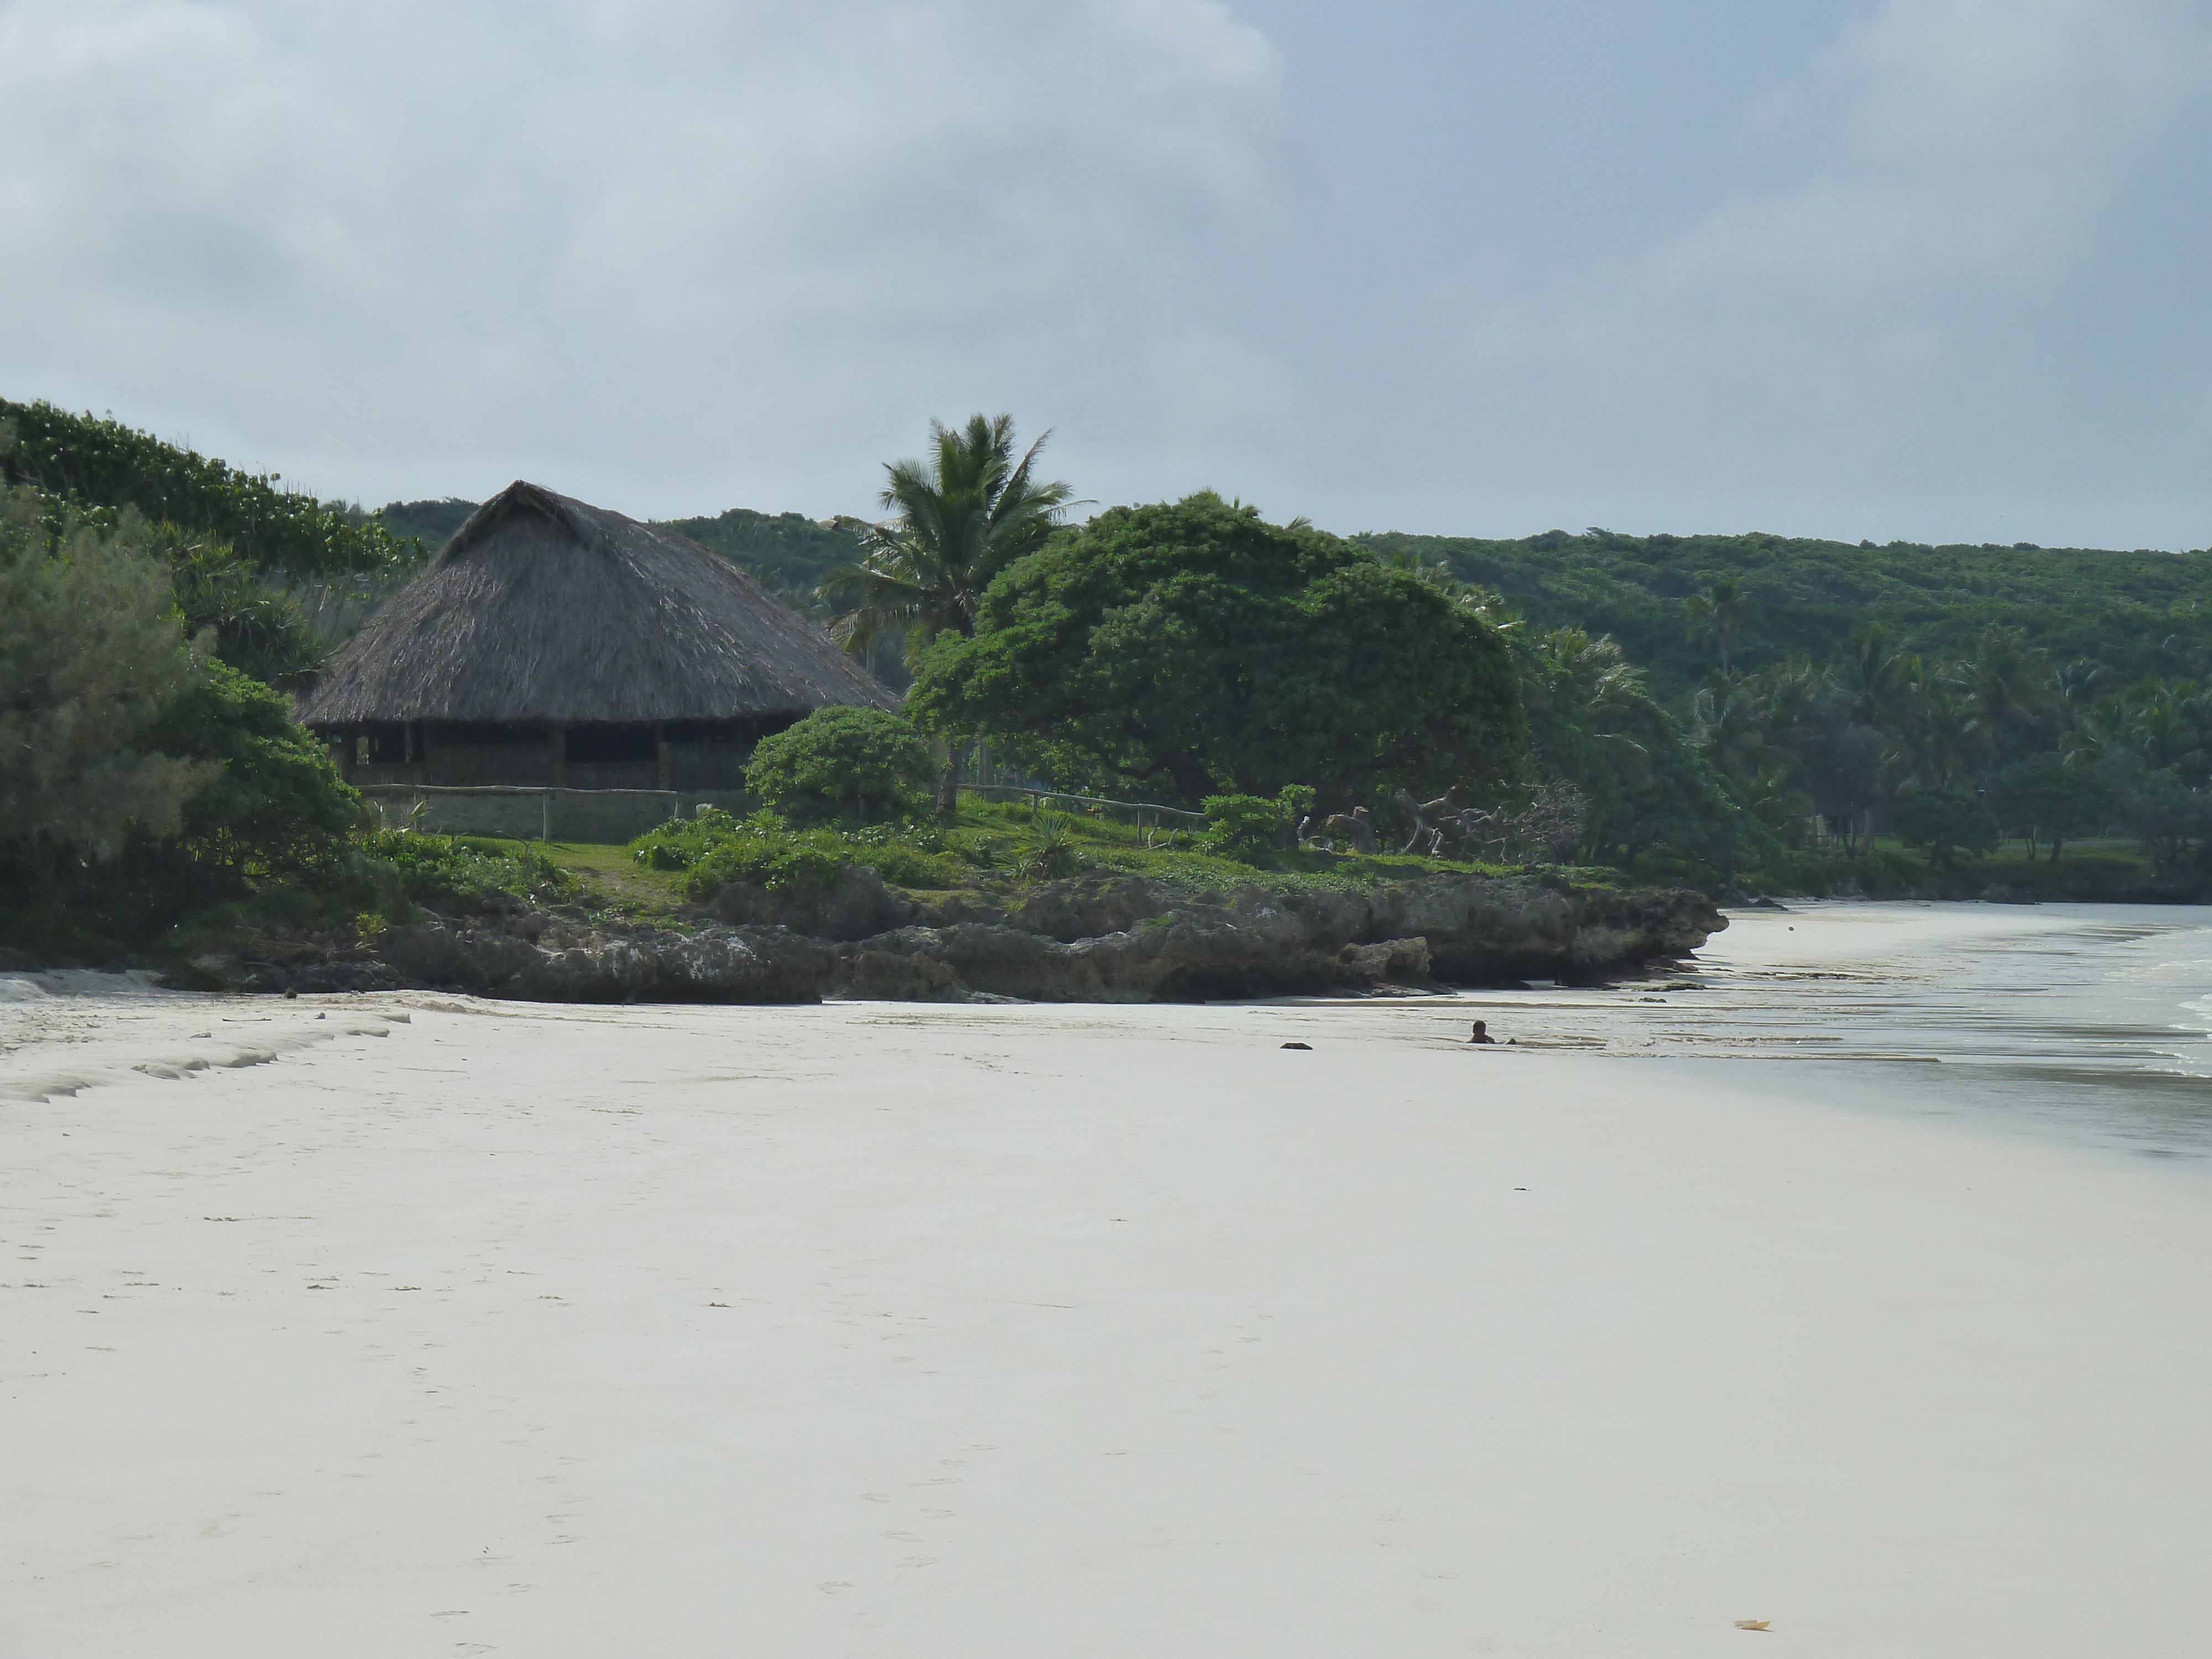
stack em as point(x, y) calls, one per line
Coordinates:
point(1748, 709)
point(1193, 649)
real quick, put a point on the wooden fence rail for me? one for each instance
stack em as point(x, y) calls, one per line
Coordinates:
point(1042, 797)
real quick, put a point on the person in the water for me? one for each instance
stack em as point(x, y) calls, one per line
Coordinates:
point(1481, 1034)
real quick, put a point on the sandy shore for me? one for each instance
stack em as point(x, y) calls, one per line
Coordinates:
point(434, 1328)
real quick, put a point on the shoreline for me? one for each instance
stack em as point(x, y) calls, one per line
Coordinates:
point(916, 1329)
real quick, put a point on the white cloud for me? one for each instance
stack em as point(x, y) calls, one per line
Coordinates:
point(721, 250)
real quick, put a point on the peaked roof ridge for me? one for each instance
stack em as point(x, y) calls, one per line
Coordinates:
point(580, 519)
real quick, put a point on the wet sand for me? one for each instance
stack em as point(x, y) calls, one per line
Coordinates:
point(876, 1329)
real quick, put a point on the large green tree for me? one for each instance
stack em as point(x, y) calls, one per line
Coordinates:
point(1193, 649)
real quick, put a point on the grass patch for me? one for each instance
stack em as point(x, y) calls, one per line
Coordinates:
point(609, 878)
point(708, 852)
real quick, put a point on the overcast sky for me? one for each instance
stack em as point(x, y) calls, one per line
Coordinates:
point(1922, 269)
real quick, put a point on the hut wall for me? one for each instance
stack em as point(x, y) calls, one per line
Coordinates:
point(707, 765)
point(607, 817)
point(694, 756)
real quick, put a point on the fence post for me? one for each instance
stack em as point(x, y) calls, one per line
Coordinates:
point(545, 817)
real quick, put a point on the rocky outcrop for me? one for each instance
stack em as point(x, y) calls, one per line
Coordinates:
point(717, 964)
point(1183, 957)
point(1111, 939)
point(857, 906)
point(1091, 938)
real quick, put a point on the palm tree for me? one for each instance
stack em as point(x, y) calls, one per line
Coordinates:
point(1935, 739)
point(1728, 722)
point(1719, 614)
point(1876, 674)
point(958, 520)
point(2008, 683)
point(1592, 682)
point(2077, 686)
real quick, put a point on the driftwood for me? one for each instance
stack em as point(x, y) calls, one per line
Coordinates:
point(1430, 837)
point(1351, 827)
point(1547, 828)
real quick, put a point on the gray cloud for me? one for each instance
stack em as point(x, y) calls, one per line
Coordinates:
point(1921, 277)
point(709, 252)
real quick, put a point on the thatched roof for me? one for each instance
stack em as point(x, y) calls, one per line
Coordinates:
point(541, 608)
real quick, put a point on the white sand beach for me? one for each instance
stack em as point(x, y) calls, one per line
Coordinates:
point(414, 1326)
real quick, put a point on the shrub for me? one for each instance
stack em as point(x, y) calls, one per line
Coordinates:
point(1050, 851)
point(457, 874)
point(682, 843)
point(853, 762)
point(1238, 826)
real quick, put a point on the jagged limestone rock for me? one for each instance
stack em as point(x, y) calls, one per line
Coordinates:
point(718, 964)
point(857, 906)
point(1091, 938)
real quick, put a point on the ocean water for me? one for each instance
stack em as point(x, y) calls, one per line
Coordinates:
point(2090, 1023)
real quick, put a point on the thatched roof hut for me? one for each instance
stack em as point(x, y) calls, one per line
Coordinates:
point(569, 636)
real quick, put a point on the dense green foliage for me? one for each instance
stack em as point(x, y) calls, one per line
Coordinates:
point(842, 762)
point(2049, 751)
point(270, 815)
point(275, 577)
point(87, 463)
point(1191, 649)
point(2140, 613)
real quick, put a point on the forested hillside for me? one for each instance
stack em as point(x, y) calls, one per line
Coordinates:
point(2134, 614)
point(788, 552)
